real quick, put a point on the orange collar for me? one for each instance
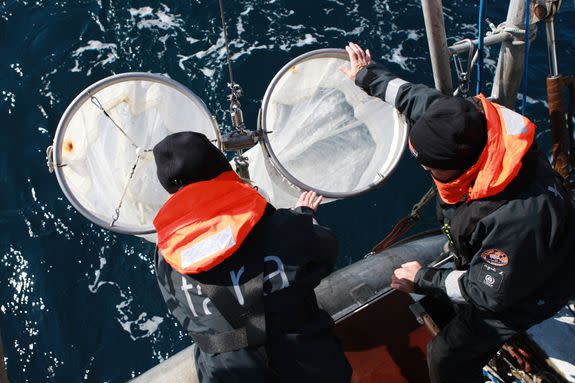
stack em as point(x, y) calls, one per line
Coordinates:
point(509, 137)
point(204, 223)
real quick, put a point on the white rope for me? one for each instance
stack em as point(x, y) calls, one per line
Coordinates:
point(518, 33)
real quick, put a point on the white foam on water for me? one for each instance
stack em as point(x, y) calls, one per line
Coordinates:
point(248, 51)
point(247, 10)
point(295, 27)
point(356, 31)
point(18, 69)
point(38, 217)
point(76, 67)
point(412, 34)
point(398, 58)
point(140, 327)
point(25, 299)
point(55, 362)
point(182, 60)
point(150, 19)
point(307, 40)
point(97, 21)
point(94, 45)
point(107, 54)
point(43, 111)
point(207, 72)
point(240, 26)
point(141, 12)
point(334, 29)
point(532, 101)
point(9, 98)
point(218, 48)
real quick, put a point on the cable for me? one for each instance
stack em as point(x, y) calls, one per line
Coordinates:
point(224, 27)
point(526, 56)
point(481, 23)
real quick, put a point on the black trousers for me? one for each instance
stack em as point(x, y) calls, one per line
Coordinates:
point(245, 365)
point(461, 349)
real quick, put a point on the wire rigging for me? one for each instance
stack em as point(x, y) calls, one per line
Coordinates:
point(480, 33)
point(224, 27)
point(526, 56)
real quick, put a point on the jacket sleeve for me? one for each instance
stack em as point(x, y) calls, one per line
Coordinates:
point(412, 100)
point(513, 260)
point(322, 242)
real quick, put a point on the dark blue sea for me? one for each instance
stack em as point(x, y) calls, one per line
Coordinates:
point(79, 303)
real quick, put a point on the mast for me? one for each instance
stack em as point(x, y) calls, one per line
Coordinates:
point(437, 41)
point(507, 79)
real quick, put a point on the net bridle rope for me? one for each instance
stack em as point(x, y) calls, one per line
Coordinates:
point(139, 156)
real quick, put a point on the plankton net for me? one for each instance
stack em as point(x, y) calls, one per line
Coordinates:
point(321, 132)
point(102, 150)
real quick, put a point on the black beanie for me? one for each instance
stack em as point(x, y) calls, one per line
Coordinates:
point(451, 134)
point(187, 157)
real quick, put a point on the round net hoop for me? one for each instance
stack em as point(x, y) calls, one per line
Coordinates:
point(102, 150)
point(321, 132)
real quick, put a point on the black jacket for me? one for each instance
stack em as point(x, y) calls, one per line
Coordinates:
point(294, 255)
point(517, 249)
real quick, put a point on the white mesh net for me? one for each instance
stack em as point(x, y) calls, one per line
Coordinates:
point(326, 132)
point(99, 156)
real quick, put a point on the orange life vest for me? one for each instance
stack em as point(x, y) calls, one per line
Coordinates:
point(205, 222)
point(509, 137)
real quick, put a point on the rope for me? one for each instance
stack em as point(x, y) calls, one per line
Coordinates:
point(224, 27)
point(405, 224)
point(236, 90)
point(98, 105)
point(526, 56)
point(130, 176)
point(481, 24)
point(515, 31)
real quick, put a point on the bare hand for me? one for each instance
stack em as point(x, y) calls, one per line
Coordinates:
point(402, 278)
point(309, 199)
point(358, 59)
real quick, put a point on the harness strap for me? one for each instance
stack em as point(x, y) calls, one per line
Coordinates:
point(247, 320)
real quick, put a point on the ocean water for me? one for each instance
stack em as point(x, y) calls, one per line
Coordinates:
point(79, 303)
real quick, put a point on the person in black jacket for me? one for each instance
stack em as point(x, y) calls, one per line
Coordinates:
point(505, 213)
point(239, 275)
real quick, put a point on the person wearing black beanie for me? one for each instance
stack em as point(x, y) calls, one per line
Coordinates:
point(187, 157)
point(505, 213)
point(450, 135)
point(218, 241)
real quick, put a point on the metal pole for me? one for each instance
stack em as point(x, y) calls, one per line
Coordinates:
point(437, 41)
point(507, 79)
point(551, 48)
point(489, 40)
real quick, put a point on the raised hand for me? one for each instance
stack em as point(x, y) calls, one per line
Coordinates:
point(309, 199)
point(358, 59)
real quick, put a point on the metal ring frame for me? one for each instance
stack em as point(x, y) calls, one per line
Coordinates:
point(267, 147)
point(83, 97)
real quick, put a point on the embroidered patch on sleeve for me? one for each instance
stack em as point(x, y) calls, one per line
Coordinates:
point(495, 257)
point(490, 277)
